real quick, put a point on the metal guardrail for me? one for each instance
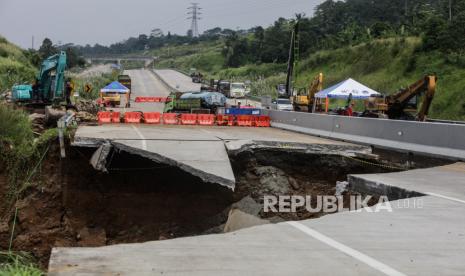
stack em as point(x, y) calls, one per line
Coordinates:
point(62, 124)
point(439, 139)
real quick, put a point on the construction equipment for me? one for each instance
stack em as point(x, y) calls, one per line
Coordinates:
point(304, 99)
point(403, 104)
point(292, 61)
point(126, 81)
point(191, 102)
point(49, 87)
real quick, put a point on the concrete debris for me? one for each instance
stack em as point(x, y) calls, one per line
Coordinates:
point(248, 205)
point(87, 106)
point(84, 116)
point(294, 184)
point(341, 187)
point(273, 181)
point(239, 220)
point(99, 158)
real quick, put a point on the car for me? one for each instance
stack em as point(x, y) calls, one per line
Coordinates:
point(282, 105)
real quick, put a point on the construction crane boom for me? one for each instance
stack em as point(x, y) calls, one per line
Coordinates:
point(398, 102)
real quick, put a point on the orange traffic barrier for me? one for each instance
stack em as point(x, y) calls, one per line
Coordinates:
point(115, 117)
point(132, 117)
point(150, 99)
point(245, 120)
point(104, 117)
point(170, 118)
point(225, 120)
point(262, 121)
point(206, 119)
point(152, 117)
point(221, 120)
point(188, 119)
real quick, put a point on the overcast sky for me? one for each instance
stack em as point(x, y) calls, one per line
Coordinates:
point(108, 21)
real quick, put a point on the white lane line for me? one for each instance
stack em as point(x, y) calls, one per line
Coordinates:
point(143, 140)
point(347, 250)
point(445, 197)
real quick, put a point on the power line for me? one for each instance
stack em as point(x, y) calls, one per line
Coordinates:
point(194, 11)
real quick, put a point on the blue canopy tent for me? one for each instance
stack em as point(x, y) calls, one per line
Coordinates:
point(112, 92)
point(344, 89)
point(115, 87)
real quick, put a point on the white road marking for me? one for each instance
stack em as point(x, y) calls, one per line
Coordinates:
point(445, 197)
point(347, 250)
point(143, 140)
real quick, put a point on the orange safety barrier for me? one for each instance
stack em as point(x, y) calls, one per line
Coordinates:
point(132, 117)
point(170, 118)
point(152, 117)
point(262, 121)
point(206, 119)
point(150, 99)
point(115, 117)
point(104, 117)
point(188, 119)
point(221, 120)
point(245, 120)
point(225, 120)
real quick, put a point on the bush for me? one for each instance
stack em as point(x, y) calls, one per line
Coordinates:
point(18, 264)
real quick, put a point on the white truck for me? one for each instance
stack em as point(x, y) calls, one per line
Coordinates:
point(237, 90)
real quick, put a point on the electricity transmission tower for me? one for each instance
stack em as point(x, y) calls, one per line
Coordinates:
point(194, 12)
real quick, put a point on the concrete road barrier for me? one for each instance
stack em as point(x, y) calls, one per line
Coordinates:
point(439, 139)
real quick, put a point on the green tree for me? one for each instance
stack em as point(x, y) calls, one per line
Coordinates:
point(47, 49)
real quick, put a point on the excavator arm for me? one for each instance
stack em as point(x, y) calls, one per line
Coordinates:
point(398, 102)
point(52, 77)
point(315, 87)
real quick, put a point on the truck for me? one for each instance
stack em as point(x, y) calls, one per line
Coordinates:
point(203, 102)
point(125, 80)
point(237, 90)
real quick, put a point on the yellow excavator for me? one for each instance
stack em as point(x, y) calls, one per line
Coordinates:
point(403, 104)
point(304, 100)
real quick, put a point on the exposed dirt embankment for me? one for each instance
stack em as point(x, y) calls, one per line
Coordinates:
point(71, 204)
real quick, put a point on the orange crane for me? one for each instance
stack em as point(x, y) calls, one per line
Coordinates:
point(403, 104)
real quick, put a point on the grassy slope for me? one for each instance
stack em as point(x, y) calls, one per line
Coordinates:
point(205, 56)
point(388, 65)
point(14, 66)
point(384, 65)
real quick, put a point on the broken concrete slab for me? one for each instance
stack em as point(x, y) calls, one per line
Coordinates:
point(446, 181)
point(203, 151)
point(405, 240)
point(99, 158)
point(206, 159)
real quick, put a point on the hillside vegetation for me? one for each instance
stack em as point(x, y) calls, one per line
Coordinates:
point(385, 65)
point(15, 65)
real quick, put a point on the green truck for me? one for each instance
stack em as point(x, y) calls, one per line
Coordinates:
point(175, 104)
